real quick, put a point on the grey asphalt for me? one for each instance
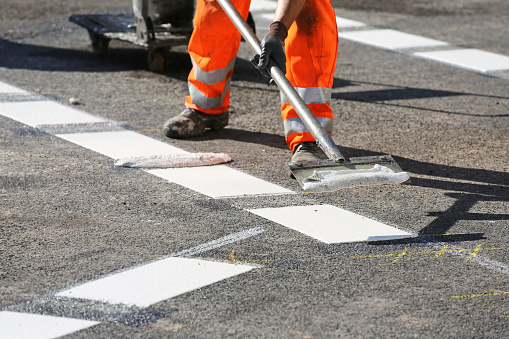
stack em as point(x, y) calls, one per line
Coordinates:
point(67, 215)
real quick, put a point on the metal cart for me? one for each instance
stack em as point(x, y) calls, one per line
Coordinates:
point(156, 25)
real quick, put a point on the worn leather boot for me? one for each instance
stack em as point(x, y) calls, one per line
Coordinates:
point(192, 123)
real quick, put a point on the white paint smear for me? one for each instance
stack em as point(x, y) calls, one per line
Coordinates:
point(14, 325)
point(8, 89)
point(347, 23)
point(36, 113)
point(151, 283)
point(174, 160)
point(326, 181)
point(472, 59)
point(331, 224)
point(390, 39)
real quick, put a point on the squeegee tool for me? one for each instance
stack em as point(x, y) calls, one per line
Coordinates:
point(336, 172)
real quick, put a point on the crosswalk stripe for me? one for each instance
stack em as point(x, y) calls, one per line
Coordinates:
point(15, 325)
point(472, 59)
point(390, 39)
point(331, 224)
point(8, 89)
point(151, 283)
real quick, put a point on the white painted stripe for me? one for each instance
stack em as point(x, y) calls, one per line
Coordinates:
point(262, 5)
point(473, 59)
point(161, 280)
point(219, 181)
point(35, 113)
point(390, 39)
point(14, 325)
point(331, 224)
point(121, 144)
point(5, 88)
point(347, 23)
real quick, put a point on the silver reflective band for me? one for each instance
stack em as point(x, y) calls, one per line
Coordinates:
point(295, 125)
point(202, 101)
point(311, 95)
point(212, 77)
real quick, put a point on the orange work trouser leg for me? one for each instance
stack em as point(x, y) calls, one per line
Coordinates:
point(213, 47)
point(311, 52)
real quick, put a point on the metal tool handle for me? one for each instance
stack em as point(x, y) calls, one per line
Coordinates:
point(323, 139)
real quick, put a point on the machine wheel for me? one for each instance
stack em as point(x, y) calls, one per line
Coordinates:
point(157, 59)
point(99, 43)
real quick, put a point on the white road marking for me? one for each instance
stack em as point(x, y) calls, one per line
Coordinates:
point(390, 39)
point(347, 23)
point(14, 325)
point(8, 89)
point(35, 113)
point(121, 144)
point(472, 59)
point(219, 181)
point(262, 5)
point(331, 224)
point(151, 283)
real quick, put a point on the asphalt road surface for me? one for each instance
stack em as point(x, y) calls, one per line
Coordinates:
point(91, 250)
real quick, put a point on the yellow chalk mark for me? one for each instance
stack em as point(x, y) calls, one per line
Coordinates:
point(490, 293)
point(232, 256)
point(504, 316)
point(474, 253)
point(401, 255)
point(149, 130)
point(437, 253)
point(442, 251)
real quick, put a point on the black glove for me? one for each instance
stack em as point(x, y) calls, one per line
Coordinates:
point(272, 47)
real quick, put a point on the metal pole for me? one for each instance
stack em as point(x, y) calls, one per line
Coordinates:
point(323, 139)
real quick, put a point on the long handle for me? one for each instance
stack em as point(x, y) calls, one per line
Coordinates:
point(323, 139)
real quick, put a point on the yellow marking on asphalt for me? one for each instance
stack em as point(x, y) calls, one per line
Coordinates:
point(504, 316)
point(232, 256)
point(442, 251)
point(490, 293)
point(474, 253)
point(437, 253)
point(401, 255)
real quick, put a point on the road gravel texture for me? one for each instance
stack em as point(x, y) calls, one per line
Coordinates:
point(68, 216)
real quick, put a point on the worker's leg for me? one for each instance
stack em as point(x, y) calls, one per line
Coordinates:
point(213, 48)
point(311, 52)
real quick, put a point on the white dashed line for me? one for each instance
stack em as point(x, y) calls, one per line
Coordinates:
point(472, 59)
point(331, 224)
point(151, 283)
point(8, 89)
point(16, 325)
point(36, 113)
point(390, 39)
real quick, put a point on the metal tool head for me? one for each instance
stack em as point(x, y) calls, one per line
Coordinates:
point(329, 175)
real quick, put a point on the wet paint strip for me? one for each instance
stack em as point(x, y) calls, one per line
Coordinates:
point(471, 59)
point(219, 181)
point(390, 39)
point(151, 283)
point(8, 89)
point(21, 97)
point(36, 113)
point(29, 326)
point(331, 224)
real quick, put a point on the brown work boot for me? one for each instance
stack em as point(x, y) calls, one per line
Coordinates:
point(307, 151)
point(192, 123)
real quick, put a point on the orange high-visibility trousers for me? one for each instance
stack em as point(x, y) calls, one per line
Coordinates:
point(311, 52)
point(213, 47)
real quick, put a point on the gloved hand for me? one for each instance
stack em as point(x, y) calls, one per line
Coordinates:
point(272, 47)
